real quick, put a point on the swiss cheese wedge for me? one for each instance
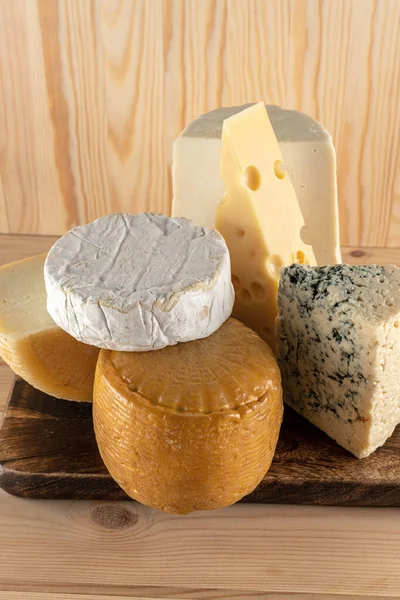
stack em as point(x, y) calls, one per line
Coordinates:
point(32, 344)
point(259, 217)
point(308, 154)
point(192, 426)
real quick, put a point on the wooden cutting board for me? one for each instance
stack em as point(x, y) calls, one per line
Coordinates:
point(48, 450)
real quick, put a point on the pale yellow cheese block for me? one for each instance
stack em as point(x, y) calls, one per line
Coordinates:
point(32, 344)
point(309, 157)
point(192, 426)
point(259, 217)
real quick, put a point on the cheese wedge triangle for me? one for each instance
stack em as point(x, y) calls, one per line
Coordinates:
point(259, 217)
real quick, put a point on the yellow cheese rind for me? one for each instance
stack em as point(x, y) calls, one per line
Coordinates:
point(31, 343)
point(181, 461)
point(259, 217)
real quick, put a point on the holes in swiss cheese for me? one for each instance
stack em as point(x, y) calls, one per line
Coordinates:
point(244, 296)
point(236, 282)
point(305, 235)
point(257, 292)
point(301, 257)
point(260, 276)
point(252, 177)
point(279, 169)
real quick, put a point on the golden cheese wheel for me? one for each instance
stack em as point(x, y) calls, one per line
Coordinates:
point(192, 426)
point(32, 344)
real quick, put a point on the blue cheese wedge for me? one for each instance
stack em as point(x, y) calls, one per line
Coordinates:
point(339, 350)
point(139, 282)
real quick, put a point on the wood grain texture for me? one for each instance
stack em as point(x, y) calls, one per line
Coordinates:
point(126, 546)
point(256, 53)
point(56, 596)
point(93, 94)
point(16, 247)
point(132, 49)
point(182, 594)
point(194, 61)
point(48, 450)
point(3, 209)
point(354, 101)
point(27, 163)
point(73, 65)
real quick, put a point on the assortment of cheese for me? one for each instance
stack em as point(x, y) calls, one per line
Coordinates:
point(170, 325)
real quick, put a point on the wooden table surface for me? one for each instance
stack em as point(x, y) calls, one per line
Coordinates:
point(100, 550)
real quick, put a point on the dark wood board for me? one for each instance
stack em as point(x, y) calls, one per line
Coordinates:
point(48, 450)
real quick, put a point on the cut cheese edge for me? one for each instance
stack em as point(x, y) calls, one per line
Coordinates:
point(259, 217)
point(309, 157)
point(31, 343)
point(139, 282)
point(339, 350)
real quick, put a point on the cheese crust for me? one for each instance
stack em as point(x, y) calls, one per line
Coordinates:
point(197, 429)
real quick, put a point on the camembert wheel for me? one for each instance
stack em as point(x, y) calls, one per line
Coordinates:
point(193, 426)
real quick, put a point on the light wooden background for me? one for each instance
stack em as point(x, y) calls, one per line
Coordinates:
point(93, 93)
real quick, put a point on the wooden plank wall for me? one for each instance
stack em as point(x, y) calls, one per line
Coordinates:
point(93, 93)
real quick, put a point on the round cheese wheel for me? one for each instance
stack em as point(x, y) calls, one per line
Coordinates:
point(193, 426)
point(32, 344)
point(139, 282)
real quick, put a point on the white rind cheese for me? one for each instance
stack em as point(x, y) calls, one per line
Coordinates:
point(339, 350)
point(139, 282)
point(309, 158)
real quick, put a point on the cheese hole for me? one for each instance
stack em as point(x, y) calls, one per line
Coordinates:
point(396, 324)
point(274, 263)
point(305, 235)
point(235, 282)
point(389, 303)
point(241, 233)
point(260, 276)
point(252, 177)
point(257, 291)
point(279, 169)
point(244, 296)
point(301, 257)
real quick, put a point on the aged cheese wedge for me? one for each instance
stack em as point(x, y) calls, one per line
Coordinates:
point(308, 155)
point(32, 344)
point(259, 217)
point(192, 426)
point(139, 282)
point(339, 350)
